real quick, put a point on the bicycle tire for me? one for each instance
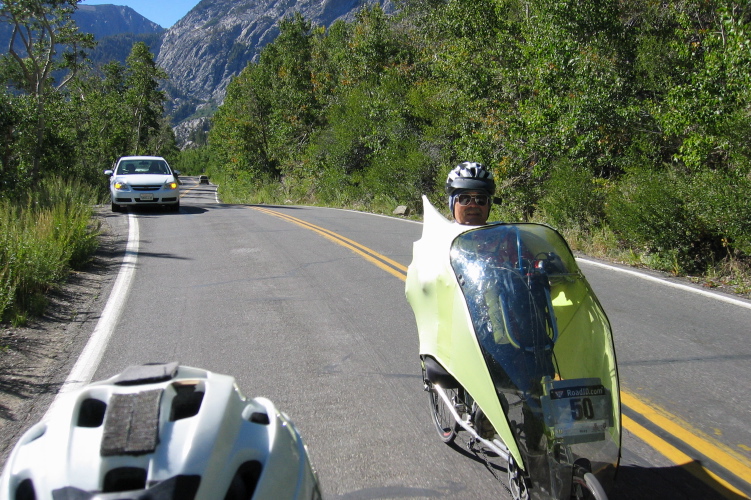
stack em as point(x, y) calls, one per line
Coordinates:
point(444, 421)
point(586, 487)
point(517, 486)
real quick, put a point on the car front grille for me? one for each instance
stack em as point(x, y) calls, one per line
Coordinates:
point(123, 200)
point(146, 188)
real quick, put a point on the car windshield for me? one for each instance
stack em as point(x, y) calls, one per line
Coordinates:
point(130, 167)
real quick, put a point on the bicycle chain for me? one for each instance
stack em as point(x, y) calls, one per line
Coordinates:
point(480, 452)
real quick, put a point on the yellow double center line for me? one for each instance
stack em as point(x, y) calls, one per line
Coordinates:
point(390, 266)
point(668, 424)
point(183, 192)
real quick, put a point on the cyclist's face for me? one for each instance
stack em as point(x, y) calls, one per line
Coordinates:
point(472, 214)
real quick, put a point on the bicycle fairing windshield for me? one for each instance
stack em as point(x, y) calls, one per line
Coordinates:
point(545, 342)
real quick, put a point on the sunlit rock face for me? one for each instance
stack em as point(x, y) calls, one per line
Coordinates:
point(218, 38)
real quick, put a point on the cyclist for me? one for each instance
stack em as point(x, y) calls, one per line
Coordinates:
point(470, 187)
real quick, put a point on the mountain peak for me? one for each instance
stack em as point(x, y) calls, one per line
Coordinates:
point(214, 42)
point(108, 20)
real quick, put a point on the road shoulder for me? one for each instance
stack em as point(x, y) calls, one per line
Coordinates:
point(35, 360)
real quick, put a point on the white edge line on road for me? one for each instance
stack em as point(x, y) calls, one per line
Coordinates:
point(712, 295)
point(665, 282)
point(680, 286)
point(87, 363)
point(392, 217)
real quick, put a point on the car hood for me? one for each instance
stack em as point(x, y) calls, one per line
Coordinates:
point(144, 179)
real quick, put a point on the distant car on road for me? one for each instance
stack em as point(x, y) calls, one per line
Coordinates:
point(143, 181)
point(203, 179)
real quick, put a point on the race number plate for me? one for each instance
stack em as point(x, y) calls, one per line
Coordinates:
point(577, 410)
point(147, 197)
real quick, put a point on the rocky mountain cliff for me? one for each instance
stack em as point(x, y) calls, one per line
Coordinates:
point(102, 21)
point(116, 29)
point(109, 20)
point(203, 51)
point(218, 38)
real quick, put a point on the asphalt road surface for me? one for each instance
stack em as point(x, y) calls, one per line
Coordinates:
point(274, 296)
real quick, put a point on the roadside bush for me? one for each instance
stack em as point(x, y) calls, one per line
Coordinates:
point(686, 222)
point(719, 201)
point(241, 186)
point(42, 239)
point(572, 199)
point(70, 204)
point(649, 213)
point(398, 176)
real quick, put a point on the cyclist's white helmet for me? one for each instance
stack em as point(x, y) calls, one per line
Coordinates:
point(161, 432)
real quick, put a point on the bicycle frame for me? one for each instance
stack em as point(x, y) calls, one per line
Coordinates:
point(496, 446)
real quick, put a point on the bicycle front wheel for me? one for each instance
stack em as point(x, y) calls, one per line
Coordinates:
point(586, 487)
point(444, 421)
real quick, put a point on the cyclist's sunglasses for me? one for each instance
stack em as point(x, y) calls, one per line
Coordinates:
point(480, 199)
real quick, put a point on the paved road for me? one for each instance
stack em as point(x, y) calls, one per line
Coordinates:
point(328, 336)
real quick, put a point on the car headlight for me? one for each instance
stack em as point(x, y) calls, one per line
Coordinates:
point(171, 185)
point(121, 186)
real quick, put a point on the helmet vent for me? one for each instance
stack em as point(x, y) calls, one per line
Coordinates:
point(245, 481)
point(147, 374)
point(258, 417)
point(186, 403)
point(124, 479)
point(25, 491)
point(91, 413)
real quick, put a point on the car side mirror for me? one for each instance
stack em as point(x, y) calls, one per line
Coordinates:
point(108, 172)
point(176, 172)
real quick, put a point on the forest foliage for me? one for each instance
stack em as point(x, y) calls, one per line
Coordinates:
point(629, 118)
point(624, 122)
point(63, 121)
point(61, 115)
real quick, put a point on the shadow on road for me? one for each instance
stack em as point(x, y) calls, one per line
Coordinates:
point(155, 211)
point(685, 482)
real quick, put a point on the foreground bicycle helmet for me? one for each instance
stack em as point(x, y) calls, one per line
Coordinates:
point(468, 176)
point(161, 432)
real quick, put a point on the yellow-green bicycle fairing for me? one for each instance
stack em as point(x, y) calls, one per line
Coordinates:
point(580, 344)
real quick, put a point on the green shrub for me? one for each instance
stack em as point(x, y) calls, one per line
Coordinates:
point(683, 222)
point(192, 161)
point(42, 239)
point(720, 202)
point(7, 275)
point(399, 176)
point(572, 199)
point(649, 212)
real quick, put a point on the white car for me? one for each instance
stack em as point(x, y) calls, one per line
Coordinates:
point(143, 181)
